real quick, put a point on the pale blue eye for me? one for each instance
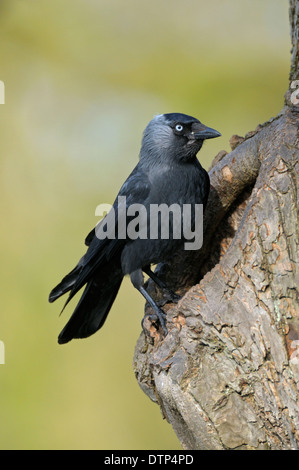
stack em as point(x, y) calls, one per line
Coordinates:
point(179, 127)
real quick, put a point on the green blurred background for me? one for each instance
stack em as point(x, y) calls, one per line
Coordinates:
point(83, 78)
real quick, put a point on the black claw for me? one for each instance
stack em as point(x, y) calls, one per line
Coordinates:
point(145, 330)
point(138, 282)
point(162, 317)
point(174, 297)
point(167, 293)
point(156, 318)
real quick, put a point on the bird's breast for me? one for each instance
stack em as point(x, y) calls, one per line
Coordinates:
point(181, 185)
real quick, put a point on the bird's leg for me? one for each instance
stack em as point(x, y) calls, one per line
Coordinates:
point(138, 282)
point(173, 297)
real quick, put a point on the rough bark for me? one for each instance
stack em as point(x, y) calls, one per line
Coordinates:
point(226, 376)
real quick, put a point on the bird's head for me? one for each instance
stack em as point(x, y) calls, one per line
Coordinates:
point(174, 136)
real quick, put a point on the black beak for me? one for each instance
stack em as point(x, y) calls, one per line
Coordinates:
point(202, 132)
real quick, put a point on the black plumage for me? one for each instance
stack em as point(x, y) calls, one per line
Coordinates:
point(168, 172)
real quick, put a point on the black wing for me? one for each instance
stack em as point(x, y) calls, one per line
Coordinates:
point(136, 189)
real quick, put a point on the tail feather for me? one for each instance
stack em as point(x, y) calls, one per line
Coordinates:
point(65, 285)
point(94, 305)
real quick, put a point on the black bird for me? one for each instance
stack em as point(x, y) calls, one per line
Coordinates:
point(168, 172)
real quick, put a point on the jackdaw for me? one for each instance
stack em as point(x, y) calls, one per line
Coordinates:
point(168, 173)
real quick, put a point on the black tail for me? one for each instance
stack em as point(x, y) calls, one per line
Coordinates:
point(65, 285)
point(94, 305)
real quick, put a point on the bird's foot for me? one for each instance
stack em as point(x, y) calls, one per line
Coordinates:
point(157, 319)
point(167, 296)
point(172, 296)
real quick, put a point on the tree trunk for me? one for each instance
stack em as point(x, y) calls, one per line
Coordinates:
point(226, 375)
